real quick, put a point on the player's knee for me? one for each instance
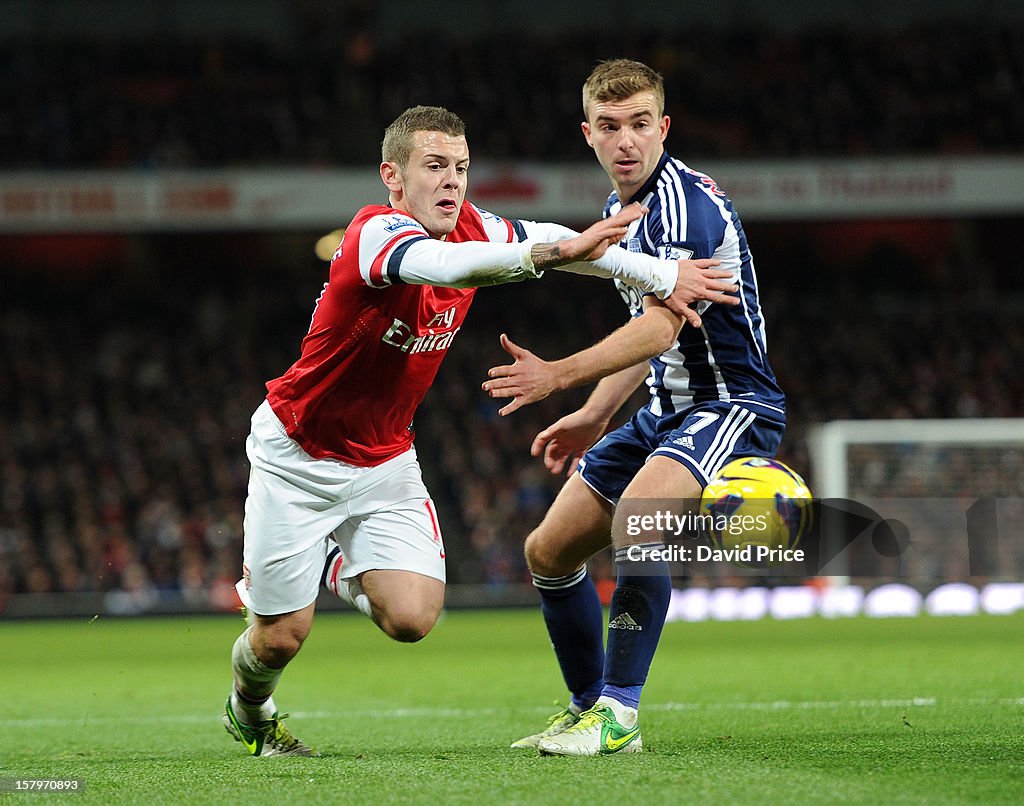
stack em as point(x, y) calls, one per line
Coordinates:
point(408, 632)
point(532, 552)
point(541, 557)
point(409, 621)
point(407, 625)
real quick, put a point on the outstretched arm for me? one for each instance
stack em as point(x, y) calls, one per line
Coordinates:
point(529, 378)
point(427, 261)
point(676, 282)
point(414, 257)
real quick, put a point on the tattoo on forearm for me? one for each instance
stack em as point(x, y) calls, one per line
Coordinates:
point(546, 255)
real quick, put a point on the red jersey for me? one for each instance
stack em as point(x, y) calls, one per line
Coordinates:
point(376, 340)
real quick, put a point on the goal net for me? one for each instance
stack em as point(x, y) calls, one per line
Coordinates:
point(933, 500)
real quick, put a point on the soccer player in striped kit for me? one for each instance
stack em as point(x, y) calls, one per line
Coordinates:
point(335, 483)
point(714, 397)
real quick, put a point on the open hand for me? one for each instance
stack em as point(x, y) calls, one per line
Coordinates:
point(564, 442)
point(526, 380)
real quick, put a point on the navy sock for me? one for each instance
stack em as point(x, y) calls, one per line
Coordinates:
point(574, 618)
point(638, 610)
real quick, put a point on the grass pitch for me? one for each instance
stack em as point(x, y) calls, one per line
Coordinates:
point(922, 710)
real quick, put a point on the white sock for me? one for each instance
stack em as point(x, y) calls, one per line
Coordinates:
point(360, 599)
point(249, 713)
point(349, 590)
point(254, 677)
point(624, 715)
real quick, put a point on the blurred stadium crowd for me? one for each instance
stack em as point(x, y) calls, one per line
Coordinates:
point(953, 87)
point(126, 392)
point(127, 395)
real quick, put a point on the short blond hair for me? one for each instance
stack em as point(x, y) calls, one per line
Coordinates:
point(618, 79)
point(397, 144)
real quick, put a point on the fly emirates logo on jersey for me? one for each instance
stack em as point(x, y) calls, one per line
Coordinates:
point(436, 338)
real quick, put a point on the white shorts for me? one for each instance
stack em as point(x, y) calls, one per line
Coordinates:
point(381, 517)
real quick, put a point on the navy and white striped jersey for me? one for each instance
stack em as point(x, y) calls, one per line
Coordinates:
point(726, 359)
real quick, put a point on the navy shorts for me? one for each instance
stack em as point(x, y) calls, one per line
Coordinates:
point(703, 437)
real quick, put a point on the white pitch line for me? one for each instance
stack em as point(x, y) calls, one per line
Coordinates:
point(476, 713)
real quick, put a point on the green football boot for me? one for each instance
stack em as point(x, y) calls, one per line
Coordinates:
point(598, 733)
point(268, 738)
point(557, 723)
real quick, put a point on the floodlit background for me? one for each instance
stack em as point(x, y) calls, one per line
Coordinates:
point(167, 168)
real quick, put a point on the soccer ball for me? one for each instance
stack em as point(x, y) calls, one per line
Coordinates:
point(755, 511)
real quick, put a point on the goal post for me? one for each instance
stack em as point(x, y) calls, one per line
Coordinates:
point(830, 443)
point(944, 499)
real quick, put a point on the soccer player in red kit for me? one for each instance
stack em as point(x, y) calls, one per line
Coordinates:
point(331, 447)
